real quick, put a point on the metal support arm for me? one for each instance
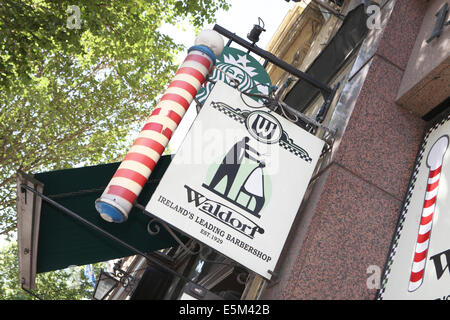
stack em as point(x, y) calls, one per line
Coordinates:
point(105, 233)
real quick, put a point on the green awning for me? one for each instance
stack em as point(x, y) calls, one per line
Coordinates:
point(63, 241)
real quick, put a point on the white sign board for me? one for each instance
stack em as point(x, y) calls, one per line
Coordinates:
point(238, 179)
point(419, 263)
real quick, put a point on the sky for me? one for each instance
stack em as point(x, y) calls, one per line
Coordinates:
point(239, 19)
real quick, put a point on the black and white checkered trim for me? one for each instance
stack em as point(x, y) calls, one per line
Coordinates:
point(239, 116)
point(229, 112)
point(299, 152)
point(405, 208)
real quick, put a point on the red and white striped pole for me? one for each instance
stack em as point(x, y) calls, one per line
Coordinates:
point(434, 163)
point(127, 183)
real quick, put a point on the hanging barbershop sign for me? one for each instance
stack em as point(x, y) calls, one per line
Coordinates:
point(419, 262)
point(238, 179)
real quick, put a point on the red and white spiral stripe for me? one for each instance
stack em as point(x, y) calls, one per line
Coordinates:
point(135, 169)
point(434, 162)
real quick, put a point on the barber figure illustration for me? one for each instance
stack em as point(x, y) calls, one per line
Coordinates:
point(254, 187)
point(231, 163)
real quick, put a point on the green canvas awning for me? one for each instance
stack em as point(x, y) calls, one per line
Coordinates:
point(50, 240)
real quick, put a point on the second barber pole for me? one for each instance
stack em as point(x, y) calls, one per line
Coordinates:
point(434, 163)
point(125, 186)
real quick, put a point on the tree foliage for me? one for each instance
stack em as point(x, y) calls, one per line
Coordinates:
point(66, 284)
point(70, 96)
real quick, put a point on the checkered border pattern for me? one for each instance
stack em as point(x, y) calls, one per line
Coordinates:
point(238, 116)
point(229, 111)
point(299, 152)
point(406, 203)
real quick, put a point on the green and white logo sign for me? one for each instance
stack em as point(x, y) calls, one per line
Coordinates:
point(235, 64)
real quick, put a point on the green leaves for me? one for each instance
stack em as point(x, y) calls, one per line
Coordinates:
point(66, 284)
point(30, 30)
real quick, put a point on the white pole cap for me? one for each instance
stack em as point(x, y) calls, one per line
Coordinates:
point(211, 39)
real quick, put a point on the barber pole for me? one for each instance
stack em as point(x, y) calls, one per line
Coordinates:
point(434, 163)
point(127, 183)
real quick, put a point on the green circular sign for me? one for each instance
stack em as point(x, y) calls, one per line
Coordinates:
point(234, 64)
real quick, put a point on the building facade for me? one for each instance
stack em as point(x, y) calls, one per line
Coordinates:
point(395, 87)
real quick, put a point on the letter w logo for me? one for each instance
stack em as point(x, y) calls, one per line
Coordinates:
point(193, 195)
point(263, 127)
